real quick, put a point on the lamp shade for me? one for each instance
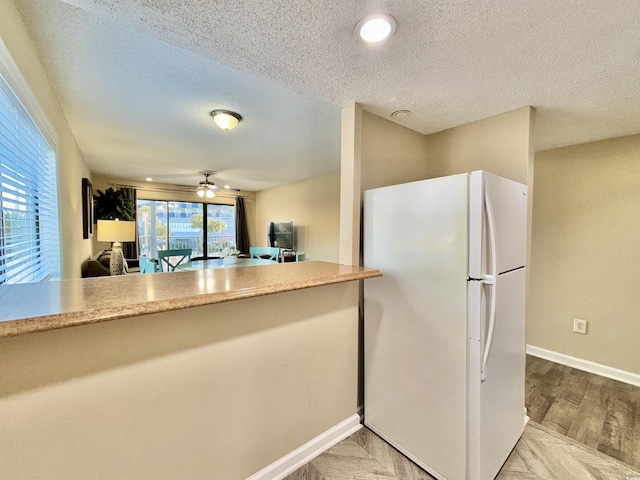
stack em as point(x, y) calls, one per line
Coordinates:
point(116, 231)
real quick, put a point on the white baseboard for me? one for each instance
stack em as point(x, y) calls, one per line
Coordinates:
point(310, 450)
point(586, 365)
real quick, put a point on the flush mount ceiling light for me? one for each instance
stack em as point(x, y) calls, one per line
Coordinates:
point(376, 28)
point(226, 119)
point(206, 188)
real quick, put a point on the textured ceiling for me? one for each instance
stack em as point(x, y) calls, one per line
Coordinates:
point(137, 78)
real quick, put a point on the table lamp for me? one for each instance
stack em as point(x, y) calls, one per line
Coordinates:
point(116, 231)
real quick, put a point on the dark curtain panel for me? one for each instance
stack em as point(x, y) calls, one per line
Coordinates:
point(130, 249)
point(242, 233)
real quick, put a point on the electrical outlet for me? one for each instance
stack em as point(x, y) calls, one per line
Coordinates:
point(579, 326)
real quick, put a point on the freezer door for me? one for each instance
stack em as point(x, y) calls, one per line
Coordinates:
point(415, 375)
point(507, 201)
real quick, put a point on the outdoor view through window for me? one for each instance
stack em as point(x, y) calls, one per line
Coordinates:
point(166, 225)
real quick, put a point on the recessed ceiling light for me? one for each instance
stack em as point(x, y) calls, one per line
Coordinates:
point(376, 28)
point(227, 187)
point(149, 179)
point(401, 113)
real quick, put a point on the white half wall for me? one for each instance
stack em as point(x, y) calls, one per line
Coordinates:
point(220, 391)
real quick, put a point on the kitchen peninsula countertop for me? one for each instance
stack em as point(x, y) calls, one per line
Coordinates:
point(38, 307)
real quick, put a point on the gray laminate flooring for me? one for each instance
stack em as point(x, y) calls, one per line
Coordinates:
point(540, 454)
point(583, 427)
point(598, 412)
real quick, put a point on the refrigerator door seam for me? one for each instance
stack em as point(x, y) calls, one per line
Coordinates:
point(512, 270)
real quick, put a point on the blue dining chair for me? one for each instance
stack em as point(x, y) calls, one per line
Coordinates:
point(263, 252)
point(148, 265)
point(167, 258)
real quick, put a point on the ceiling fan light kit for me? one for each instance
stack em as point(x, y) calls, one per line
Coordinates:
point(205, 192)
point(226, 119)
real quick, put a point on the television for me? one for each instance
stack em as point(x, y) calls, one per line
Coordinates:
point(280, 234)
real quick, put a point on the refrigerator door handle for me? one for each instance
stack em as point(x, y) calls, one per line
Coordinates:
point(490, 280)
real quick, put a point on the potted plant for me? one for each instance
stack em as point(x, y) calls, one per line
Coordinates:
point(113, 204)
point(229, 255)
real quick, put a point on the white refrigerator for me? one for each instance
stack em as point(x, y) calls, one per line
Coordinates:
point(444, 348)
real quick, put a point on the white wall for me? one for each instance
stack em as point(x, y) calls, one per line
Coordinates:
point(314, 208)
point(391, 153)
point(586, 252)
point(213, 392)
point(500, 144)
point(71, 165)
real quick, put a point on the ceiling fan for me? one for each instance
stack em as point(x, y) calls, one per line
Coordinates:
point(207, 188)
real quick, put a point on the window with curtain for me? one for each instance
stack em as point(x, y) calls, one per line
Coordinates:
point(29, 234)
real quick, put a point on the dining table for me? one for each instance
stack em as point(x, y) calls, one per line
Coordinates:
point(224, 263)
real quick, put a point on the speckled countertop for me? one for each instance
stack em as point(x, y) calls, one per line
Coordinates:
point(38, 307)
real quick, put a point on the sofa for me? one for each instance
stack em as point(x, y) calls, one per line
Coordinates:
point(99, 265)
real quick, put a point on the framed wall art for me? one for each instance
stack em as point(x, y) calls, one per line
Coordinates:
point(87, 208)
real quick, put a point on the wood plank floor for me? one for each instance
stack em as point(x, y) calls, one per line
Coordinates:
point(583, 427)
point(540, 454)
point(596, 411)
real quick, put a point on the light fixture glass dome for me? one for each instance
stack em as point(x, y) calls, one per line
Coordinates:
point(206, 191)
point(376, 28)
point(226, 119)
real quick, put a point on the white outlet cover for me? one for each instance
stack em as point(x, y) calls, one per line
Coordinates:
point(580, 326)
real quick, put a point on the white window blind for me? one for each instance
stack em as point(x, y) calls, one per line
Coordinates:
point(29, 234)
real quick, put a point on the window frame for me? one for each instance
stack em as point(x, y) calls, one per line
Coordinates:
point(205, 235)
point(12, 76)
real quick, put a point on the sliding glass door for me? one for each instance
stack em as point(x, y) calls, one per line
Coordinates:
point(166, 225)
point(221, 228)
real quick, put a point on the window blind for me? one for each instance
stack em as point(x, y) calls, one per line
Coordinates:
point(29, 232)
